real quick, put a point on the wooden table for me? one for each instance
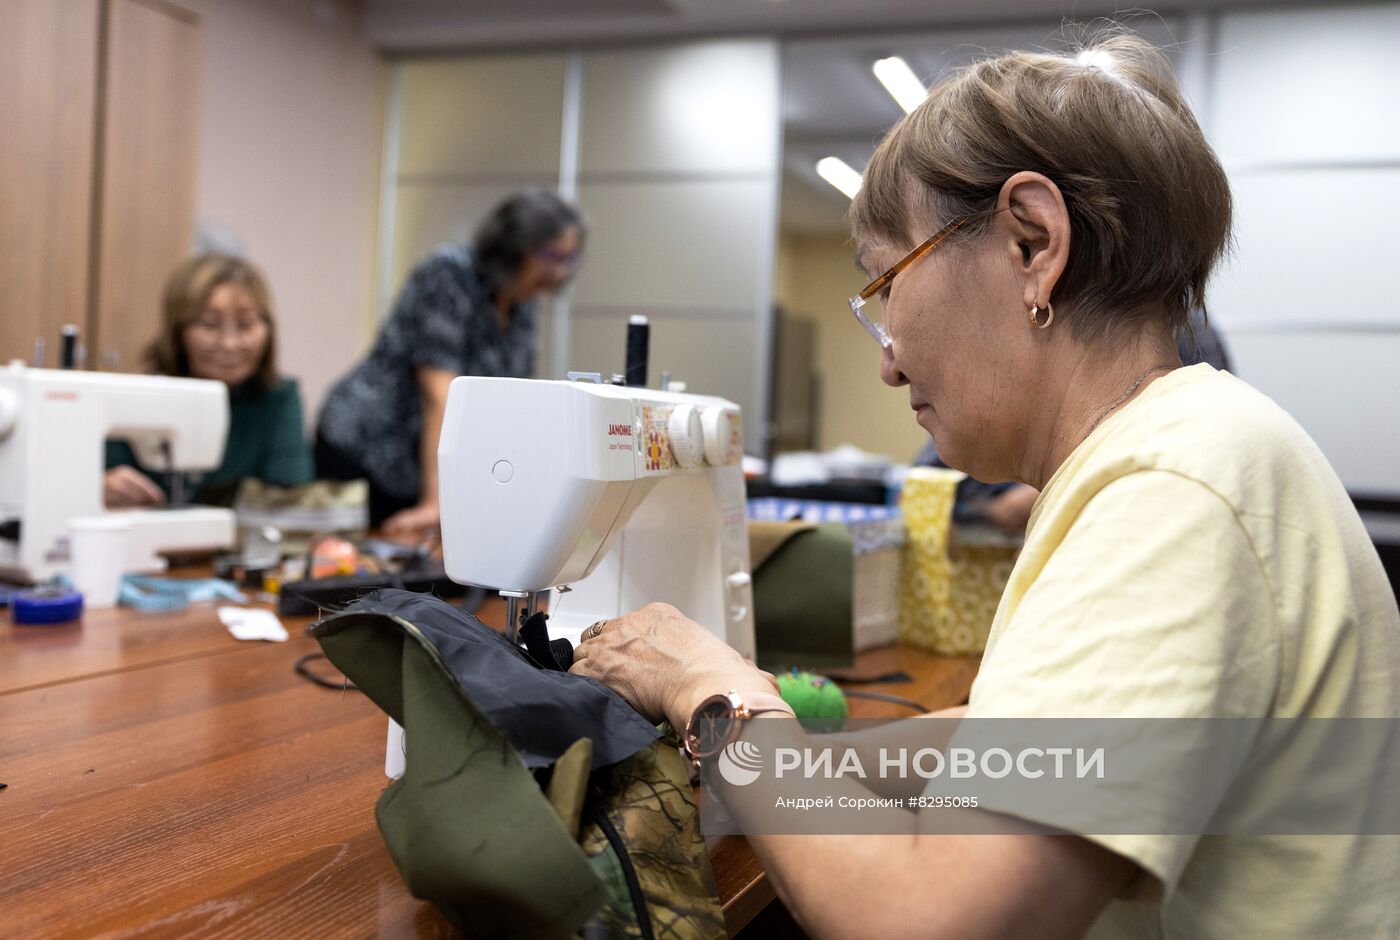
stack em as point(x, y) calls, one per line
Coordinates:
point(165, 779)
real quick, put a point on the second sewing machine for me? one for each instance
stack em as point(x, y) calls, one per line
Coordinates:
point(53, 423)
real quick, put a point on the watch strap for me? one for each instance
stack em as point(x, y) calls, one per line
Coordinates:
point(758, 703)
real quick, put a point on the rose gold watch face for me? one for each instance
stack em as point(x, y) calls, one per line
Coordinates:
point(711, 727)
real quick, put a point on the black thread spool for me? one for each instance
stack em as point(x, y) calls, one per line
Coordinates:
point(68, 358)
point(638, 341)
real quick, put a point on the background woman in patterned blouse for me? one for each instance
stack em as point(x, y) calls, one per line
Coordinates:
point(465, 310)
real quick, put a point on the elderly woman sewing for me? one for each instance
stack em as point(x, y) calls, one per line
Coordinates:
point(1037, 231)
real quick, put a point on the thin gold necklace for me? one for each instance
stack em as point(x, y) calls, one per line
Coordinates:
point(1126, 395)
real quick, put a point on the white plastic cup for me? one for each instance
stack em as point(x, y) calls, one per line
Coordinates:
point(98, 546)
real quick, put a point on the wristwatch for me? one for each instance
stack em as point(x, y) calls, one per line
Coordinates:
point(716, 722)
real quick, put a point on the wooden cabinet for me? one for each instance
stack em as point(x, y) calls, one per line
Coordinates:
point(146, 214)
point(48, 93)
point(98, 179)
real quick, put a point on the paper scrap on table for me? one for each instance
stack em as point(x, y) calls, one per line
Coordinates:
point(252, 623)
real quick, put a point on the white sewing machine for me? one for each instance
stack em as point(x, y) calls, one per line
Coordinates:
point(53, 425)
point(619, 496)
point(611, 497)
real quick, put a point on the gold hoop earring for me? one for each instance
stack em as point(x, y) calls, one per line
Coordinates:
point(1034, 316)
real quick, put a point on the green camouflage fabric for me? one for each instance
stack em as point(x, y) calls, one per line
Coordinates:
point(648, 799)
point(302, 512)
point(613, 853)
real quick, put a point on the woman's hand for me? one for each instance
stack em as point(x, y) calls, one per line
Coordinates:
point(414, 522)
point(665, 664)
point(126, 486)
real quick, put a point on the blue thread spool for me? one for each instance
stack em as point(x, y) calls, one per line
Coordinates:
point(46, 606)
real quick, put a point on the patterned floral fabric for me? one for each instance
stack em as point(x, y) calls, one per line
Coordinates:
point(443, 319)
point(949, 593)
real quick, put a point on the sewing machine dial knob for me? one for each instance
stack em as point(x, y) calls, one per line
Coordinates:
point(687, 436)
point(9, 411)
point(719, 436)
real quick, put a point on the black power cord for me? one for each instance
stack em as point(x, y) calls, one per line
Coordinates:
point(305, 671)
point(886, 697)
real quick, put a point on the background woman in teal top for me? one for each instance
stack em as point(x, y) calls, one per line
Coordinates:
point(217, 324)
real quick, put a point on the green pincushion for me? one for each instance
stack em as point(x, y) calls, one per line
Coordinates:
point(811, 695)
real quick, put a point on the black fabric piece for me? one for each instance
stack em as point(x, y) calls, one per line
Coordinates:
point(563, 653)
point(535, 632)
point(540, 711)
point(311, 596)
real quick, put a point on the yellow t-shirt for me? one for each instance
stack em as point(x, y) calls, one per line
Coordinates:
point(1196, 556)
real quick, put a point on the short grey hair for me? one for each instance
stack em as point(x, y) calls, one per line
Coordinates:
point(517, 228)
point(1148, 201)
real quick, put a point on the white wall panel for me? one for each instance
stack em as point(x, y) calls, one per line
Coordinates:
point(482, 115)
point(678, 174)
point(701, 109)
point(695, 243)
point(1313, 247)
point(1343, 388)
point(1317, 84)
point(1302, 109)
